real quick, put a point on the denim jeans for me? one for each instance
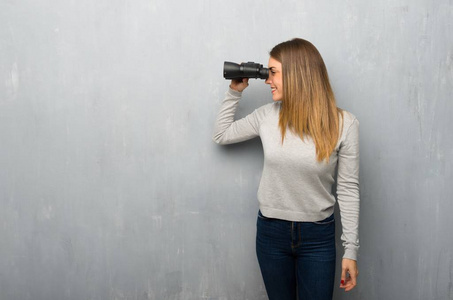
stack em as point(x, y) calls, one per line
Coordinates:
point(297, 259)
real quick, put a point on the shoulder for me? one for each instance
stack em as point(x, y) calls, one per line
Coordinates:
point(348, 119)
point(349, 127)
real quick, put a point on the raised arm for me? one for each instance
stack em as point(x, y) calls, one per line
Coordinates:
point(229, 131)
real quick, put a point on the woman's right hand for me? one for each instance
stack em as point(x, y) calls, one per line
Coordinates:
point(239, 84)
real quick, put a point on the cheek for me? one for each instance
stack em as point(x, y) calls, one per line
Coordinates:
point(280, 82)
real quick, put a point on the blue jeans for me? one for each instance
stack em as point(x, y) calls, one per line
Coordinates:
point(297, 259)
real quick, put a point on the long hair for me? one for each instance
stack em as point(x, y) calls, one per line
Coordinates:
point(308, 105)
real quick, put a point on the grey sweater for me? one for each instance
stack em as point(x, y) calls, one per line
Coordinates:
point(294, 186)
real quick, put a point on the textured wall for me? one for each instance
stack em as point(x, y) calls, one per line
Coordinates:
point(110, 185)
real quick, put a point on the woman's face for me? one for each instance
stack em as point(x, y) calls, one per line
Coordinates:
point(275, 79)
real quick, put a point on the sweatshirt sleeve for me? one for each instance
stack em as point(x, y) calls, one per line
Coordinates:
point(229, 131)
point(348, 190)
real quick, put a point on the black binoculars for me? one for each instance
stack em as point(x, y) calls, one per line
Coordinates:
point(245, 70)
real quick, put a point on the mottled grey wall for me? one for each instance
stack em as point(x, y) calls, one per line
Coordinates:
point(110, 185)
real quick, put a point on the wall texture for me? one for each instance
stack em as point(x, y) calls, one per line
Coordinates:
point(110, 185)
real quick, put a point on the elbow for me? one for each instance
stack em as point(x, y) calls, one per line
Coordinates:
point(218, 139)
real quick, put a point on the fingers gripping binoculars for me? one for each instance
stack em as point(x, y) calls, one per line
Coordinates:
point(245, 70)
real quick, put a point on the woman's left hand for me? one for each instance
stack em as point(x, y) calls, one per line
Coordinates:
point(348, 267)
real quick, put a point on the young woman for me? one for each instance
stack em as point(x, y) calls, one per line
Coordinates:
point(308, 142)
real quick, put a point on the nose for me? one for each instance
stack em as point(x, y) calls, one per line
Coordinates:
point(268, 80)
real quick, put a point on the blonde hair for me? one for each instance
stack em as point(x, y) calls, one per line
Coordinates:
point(308, 104)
